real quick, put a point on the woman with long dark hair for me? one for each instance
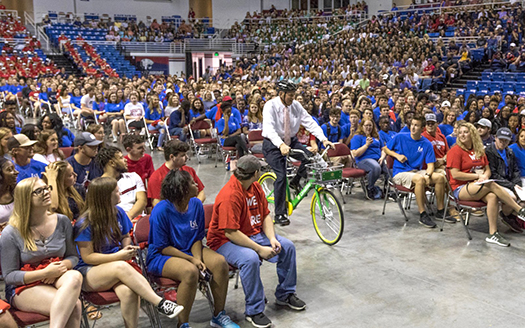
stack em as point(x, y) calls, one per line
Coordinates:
point(104, 244)
point(53, 121)
point(7, 120)
point(46, 148)
point(176, 250)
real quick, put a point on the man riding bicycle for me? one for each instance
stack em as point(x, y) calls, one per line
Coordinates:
point(282, 118)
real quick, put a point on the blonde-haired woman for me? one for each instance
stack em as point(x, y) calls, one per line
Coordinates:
point(36, 237)
point(5, 134)
point(102, 237)
point(46, 148)
point(468, 164)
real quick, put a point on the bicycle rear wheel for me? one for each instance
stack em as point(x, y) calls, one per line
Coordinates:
point(327, 216)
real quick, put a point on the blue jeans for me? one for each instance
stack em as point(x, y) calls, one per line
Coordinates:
point(178, 132)
point(162, 130)
point(248, 262)
point(374, 170)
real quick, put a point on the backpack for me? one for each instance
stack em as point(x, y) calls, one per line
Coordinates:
point(329, 132)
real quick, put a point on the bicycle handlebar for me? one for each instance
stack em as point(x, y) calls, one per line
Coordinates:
point(300, 151)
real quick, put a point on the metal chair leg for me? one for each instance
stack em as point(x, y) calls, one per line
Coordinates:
point(465, 223)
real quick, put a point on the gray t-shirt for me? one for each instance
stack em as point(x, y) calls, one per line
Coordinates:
point(14, 256)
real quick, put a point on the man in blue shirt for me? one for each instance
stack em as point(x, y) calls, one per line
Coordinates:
point(411, 152)
point(21, 149)
point(82, 162)
point(331, 129)
point(385, 132)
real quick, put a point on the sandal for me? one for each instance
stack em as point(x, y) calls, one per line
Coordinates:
point(93, 314)
point(160, 149)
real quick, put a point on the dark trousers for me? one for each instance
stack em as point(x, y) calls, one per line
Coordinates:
point(277, 162)
point(237, 142)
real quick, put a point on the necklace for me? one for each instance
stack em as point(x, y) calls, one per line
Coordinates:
point(41, 236)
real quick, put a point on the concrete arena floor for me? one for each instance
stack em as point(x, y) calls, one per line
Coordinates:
point(383, 273)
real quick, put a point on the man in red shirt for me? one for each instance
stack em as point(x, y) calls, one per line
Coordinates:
point(438, 141)
point(176, 157)
point(242, 230)
point(138, 161)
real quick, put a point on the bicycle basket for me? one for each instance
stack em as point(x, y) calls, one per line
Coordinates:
point(322, 172)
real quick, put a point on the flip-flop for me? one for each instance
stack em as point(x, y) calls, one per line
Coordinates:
point(93, 313)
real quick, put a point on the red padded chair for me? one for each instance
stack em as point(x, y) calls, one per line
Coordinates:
point(350, 174)
point(255, 137)
point(67, 151)
point(203, 143)
point(24, 319)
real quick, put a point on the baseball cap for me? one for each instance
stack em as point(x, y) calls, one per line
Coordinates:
point(484, 122)
point(504, 133)
point(512, 44)
point(227, 98)
point(430, 118)
point(445, 103)
point(19, 140)
point(248, 164)
point(86, 138)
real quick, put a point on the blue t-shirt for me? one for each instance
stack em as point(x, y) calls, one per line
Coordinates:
point(153, 116)
point(85, 173)
point(373, 151)
point(451, 140)
point(114, 108)
point(68, 138)
point(520, 157)
point(336, 132)
point(211, 114)
point(33, 169)
point(169, 227)
point(446, 129)
point(386, 136)
point(345, 119)
point(406, 129)
point(109, 247)
point(417, 152)
point(75, 101)
point(233, 125)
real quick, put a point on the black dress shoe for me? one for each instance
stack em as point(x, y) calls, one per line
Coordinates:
point(281, 220)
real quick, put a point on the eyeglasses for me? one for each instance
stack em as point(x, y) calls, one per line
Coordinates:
point(40, 191)
point(431, 123)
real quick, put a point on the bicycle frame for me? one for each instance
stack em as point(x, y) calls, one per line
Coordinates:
point(311, 184)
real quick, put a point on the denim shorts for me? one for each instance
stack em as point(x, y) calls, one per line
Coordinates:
point(457, 190)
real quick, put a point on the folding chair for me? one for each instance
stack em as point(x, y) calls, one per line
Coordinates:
point(350, 174)
point(462, 206)
point(67, 151)
point(208, 212)
point(201, 144)
point(161, 285)
point(255, 137)
point(403, 195)
point(167, 124)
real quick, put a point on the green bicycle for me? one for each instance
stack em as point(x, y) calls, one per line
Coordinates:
point(326, 211)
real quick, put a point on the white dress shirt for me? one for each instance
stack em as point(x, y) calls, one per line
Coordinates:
point(273, 121)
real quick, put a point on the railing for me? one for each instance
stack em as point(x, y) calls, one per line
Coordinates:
point(149, 47)
point(438, 8)
point(38, 32)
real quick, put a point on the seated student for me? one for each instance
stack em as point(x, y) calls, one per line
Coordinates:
point(519, 151)
point(354, 119)
point(385, 134)
point(366, 148)
point(137, 159)
point(382, 101)
point(215, 113)
point(484, 127)
point(134, 111)
point(104, 244)
point(5, 134)
point(331, 129)
point(449, 117)
point(8, 175)
point(21, 149)
point(133, 198)
point(154, 116)
point(175, 154)
point(52, 121)
point(468, 164)
point(67, 196)
point(7, 120)
point(176, 250)
point(504, 169)
point(83, 162)
point(46, 148)
point(36, 237)
point(411, 151)
point(451, 138)
point(438, 141)
point(229, 130)
point(253, 118)
point(179, 119)
point(115, 112)
point(346, 109)
point(242, 230)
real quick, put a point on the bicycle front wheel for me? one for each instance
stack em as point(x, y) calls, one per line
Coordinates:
point(266, 181)
point(327, 216)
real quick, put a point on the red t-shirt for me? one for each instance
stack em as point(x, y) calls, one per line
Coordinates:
point(155, 181)
point(439, 142)
point(465, 161)
point(237, 209)
point(143, 167)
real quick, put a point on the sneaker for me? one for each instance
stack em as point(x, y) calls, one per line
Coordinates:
point(293, 302)
point(169, 308)
point(425, 220)
point(448, 219)
point(222, 320)
point(259, 320)
point(185, 325)
point(521, 214)
point(369, 194)
point(281, 219)
point(511, 221)
point(497, 239)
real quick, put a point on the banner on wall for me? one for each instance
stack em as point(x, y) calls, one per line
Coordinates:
point(154, 65)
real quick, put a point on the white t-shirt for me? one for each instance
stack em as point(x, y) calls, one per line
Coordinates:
point(87, 101)
point(129, 185)
point(134, 110)
point(46, 159)
point(5, 211)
